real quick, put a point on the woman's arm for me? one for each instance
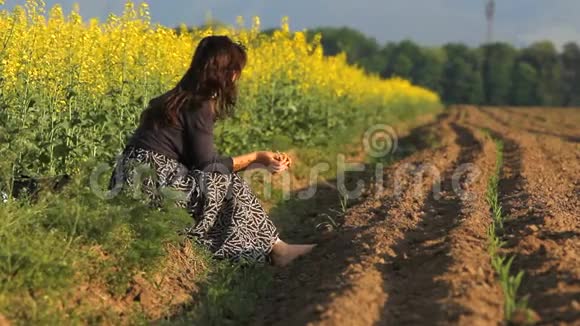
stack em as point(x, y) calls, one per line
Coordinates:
point(199, 125)
point(274, 162)
point(243, 161)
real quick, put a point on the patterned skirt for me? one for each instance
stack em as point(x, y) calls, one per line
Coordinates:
point(229, 219)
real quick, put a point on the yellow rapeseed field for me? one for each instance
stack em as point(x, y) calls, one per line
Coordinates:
point(54, 50)
point(59, 72)
point(71, 91)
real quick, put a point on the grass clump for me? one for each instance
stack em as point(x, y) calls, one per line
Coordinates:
point(229, 295)
point(51, 247)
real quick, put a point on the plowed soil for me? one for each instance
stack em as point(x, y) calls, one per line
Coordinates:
point(414, 251)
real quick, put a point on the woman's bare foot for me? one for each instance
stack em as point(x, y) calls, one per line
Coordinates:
point(283, 254)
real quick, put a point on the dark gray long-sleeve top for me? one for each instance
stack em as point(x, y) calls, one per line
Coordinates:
point(190, 141)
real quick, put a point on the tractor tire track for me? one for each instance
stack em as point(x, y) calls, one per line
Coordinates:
point(452, 244)
point(340, 283)
point(407, 255)
point(400, 213)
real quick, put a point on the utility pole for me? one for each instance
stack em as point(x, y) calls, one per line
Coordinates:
point(489, 14)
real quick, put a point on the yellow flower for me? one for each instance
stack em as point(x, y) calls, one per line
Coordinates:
point(55, 53)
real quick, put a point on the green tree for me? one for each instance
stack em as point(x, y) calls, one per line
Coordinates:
point(429, 70)
point(387, 52)
point(498, 65)
point(402, 60)
point(462, 82)
point(495, 74)
point(571, 74)
point(359, 48)
point(545, 59)
point(402, 66)
point(422, 66)
point(525, 85)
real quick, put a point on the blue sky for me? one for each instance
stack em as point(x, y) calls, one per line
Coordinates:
point(429, 22)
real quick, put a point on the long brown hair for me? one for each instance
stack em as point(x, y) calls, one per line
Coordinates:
point(215, 62)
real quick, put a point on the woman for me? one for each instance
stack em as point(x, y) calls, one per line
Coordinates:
point(175, 140)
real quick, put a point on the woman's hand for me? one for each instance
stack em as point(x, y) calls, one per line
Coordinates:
point(275, 162)
point(284, 157)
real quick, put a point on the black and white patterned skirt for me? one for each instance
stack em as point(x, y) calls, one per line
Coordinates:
point(229, 219)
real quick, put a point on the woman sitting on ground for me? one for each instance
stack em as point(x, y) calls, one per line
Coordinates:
point(175, 140)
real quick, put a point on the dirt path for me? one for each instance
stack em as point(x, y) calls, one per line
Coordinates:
point(439, 278)
point(415, 252)
point(540, 189)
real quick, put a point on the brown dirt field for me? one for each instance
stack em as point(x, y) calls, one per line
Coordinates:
point(540, 192)
point(414, 251)
point(166, 294)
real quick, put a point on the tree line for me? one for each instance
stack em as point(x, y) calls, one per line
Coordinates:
point(491, 74)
